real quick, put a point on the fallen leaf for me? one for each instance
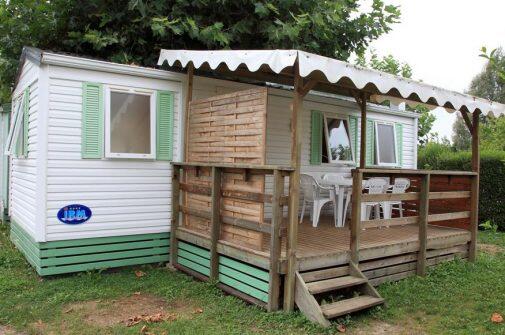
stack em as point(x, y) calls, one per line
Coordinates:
point(143, 329)
point(496, 318)
point(198, 311)
point(341, 328)
point(136, 293)
point(154, 318)
point(139, 273)
point(68, 310)
point(132, 321)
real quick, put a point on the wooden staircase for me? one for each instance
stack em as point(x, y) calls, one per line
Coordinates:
point(346, 285)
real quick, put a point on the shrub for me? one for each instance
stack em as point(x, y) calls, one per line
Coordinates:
point(492, 177)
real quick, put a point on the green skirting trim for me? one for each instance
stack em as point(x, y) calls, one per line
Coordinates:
point(242, 277)
point(57, 257)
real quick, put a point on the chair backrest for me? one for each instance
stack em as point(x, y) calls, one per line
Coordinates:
point(401, 185)
point(308, 186)
point(334, 177)
point(376, 185)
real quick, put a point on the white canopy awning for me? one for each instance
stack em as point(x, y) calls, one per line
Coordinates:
point(329, 72)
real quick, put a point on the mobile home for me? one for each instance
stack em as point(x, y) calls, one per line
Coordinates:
point(203, 165)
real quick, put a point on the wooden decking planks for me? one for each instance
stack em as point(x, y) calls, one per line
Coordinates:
point(328, 240)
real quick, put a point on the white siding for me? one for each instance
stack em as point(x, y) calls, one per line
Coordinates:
point(23, 171)
point(126, 196)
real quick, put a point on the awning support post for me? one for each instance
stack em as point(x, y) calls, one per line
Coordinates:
point(294, 192)
point(474, 218)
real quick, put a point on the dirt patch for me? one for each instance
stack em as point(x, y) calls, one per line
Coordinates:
point(105, 313)
point(6, 330)
point(492, 249)
point(381, 327)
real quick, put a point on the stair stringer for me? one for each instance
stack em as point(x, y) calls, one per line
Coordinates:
point(367, 287)
point(308, 304)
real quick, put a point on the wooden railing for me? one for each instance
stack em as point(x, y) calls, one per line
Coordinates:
point(218, 183)
point(443, 198)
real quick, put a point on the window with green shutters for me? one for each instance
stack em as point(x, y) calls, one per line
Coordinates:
point(120, 122)
point(92, 121)
point(164, 125)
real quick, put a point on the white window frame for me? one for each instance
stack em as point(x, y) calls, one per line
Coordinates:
point(152, 115)
point(377, 146)
point(16, 126)
point(327, 139)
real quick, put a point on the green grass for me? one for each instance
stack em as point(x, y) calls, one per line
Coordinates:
point(455, 298)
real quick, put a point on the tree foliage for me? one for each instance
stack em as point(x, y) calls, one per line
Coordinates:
point(134, 31)
point(461, 137)
point(393, 66)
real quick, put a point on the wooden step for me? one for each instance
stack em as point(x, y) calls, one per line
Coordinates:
point(334, 284)
point(347, 306)
point(316, 275)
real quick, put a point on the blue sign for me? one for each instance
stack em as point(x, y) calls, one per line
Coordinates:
point(74, 214)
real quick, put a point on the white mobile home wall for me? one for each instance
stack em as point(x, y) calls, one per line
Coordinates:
point(127, 196)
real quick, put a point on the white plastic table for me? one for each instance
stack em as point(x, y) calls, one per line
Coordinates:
point(340, 187)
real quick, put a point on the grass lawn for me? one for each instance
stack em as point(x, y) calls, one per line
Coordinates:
point(455, 298)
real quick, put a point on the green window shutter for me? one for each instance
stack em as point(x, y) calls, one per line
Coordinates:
point(164, 125)
point(399, 143)
point(370, 142)
point(92, 120)
point(353, 136)
point(316, 136)
point(26, 116)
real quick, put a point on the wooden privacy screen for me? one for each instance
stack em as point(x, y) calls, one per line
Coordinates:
point(229, 128)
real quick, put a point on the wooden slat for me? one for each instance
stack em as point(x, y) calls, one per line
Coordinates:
point(448, 216)
point(267, 169)
point(389, 222)
point(312, 276)
point(347, 306)
point(389, 197)
point(450, 195)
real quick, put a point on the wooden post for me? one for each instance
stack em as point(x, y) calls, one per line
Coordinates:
point(215, 222)
point(362, 145)
point(423, 224)
point(294, 193)
point(357, 185)
point(275, 242)
point(474, 217)
point(189, 97)
point(175, 215)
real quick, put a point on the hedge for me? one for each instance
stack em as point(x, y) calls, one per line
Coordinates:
point(492, 177)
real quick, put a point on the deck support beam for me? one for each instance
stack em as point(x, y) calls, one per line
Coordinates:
point(275, 242)
point(424, 203)
point(474, 219)
point(176, 172)
point(294, 191)
point(357, 182)
point(215, 221)
point(175, 215)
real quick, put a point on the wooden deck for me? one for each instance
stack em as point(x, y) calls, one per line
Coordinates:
point(329, 246)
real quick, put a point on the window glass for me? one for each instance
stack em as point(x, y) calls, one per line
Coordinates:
point(130, 124)
point(338, 141)
point(386, 143)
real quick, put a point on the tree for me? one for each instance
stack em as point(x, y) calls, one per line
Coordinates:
point(461, 137)
point(490, 84)
point(134, 31)
point(393, 66)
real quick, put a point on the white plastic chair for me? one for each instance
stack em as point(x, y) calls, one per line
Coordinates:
point(346, 193)
point(374, 186)
point(319, 195)
point(400, 186)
